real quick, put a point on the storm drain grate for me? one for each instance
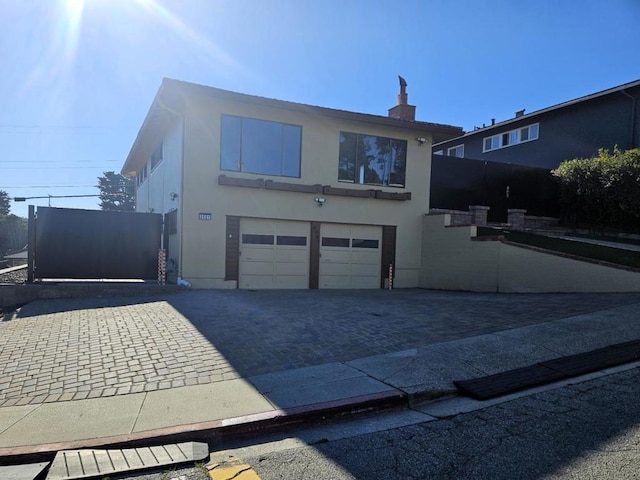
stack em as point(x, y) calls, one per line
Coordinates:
point(87, 463)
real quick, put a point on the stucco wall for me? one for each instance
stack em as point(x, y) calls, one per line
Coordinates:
point(451, 260)
point(203, 258)
point(154, 192)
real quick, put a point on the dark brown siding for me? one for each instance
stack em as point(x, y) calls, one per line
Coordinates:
point(388, 252)
point(232, 256)
point(314, 256)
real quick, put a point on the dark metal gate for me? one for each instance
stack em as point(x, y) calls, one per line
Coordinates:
point(94, 244)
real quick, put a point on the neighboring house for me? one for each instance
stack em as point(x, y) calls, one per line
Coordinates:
point(545, 138)
point(16, 258)
point(263, 193)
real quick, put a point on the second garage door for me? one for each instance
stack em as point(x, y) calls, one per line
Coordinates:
point(350, 256)
point(274, 253)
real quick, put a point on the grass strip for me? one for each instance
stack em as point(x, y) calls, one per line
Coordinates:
point(607, 238)
point(617, 256)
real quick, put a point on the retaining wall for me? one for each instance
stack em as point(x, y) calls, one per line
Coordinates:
point(454, 258)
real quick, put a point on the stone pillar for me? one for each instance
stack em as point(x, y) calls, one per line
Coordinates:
point(478, 215)
point(515, 218)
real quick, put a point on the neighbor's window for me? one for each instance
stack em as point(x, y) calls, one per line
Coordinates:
point(260, 146)
point(513, 137)
point(372, 160)
point(457, 151)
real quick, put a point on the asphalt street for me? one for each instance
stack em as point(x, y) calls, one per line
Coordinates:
point(588, 430)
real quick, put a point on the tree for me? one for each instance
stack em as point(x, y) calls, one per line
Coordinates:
point(4, 203)
point(13, 233)
point(116, 192)
point(13, 229)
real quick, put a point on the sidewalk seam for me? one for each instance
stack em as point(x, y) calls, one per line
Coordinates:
point(133, 427)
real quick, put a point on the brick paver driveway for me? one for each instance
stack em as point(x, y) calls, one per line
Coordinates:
point(72, 349)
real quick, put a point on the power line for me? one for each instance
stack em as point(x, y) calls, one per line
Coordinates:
point(52, 186)
point(49, 161)
point(63, 127)
point(53, 167)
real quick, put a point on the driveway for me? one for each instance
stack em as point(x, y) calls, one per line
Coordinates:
point(60, 350)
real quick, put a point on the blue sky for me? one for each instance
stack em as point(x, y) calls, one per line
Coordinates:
point(78, 76)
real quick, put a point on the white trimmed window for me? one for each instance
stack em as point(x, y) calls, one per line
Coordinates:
point(457, 151)
point(512, 137)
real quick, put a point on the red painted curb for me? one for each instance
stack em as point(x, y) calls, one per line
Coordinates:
point(218, 430)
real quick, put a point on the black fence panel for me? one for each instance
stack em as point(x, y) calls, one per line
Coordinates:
point(82, 244)
point(457, 183)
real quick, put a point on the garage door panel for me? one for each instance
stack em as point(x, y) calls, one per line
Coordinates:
point(335, 256)
point(289, 281)
point(257, 255)
point(335, 230)
point(255, 281)
point(364, 282)
point(288, 268)
point(366, 257)
point(350, 256)
point(366, 231)
point(335, 281)
point(274, 254)
point(339, 269)
point(292, 255)
point(257, 268)
point(366, 270)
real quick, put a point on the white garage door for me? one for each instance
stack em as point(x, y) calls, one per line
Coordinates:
point(274, 254)
point(350, 256)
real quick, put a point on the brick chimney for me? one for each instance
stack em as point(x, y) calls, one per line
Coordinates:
point(403, 110)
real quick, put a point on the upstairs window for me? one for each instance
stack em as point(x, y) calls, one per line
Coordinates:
point(260, 146)
point(513, 137)
point(372, 160)
point(156, 157)
point(457, 151)
point(142, 174)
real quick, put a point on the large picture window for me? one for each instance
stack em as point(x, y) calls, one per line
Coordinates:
point(260, 146)
point(372, 160)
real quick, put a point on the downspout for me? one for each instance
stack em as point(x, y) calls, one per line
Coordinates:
point(633, 118)
point(181, 198)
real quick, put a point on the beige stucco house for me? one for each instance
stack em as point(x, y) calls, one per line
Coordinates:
point(263, 193)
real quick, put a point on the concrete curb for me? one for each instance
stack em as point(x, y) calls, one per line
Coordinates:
point(219, 430)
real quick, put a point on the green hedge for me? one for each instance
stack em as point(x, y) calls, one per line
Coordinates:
point(603, 191)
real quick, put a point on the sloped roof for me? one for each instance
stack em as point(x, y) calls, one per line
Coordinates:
point(172, 92)
point(575, 101)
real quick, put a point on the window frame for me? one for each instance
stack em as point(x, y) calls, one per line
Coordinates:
point(454, 148)
point(516, 134)
point(156, 157)
point(243, 136)
point(395, 164)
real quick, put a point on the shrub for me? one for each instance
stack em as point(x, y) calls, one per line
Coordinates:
point(603, 191)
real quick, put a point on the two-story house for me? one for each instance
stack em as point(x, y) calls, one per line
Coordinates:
point(263, 193)
point(545, 138)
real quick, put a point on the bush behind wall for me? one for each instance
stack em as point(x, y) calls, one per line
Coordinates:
point(601, 192)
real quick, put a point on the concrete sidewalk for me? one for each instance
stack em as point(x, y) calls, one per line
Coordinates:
point(239, 403)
